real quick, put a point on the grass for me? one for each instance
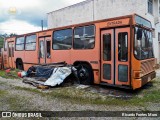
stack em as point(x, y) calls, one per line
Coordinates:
point(3, 83)
point(2, 93)
point(140, 97)
point(82, 96)
point(11, 75)
point(14, 102)
point(76, 96)
point(17, 103)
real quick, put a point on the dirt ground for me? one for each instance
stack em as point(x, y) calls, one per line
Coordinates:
point(18, 96)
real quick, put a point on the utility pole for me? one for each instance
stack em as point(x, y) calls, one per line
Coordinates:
point(42, 24)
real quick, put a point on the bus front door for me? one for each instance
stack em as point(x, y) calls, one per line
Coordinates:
point(115, 56)
point(11, 54)
point(44, 50)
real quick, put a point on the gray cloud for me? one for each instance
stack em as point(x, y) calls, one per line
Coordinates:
point(33, 14)
point(32, 18)
point(2, 19)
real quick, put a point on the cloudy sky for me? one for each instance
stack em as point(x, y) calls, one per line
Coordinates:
point(24, 16)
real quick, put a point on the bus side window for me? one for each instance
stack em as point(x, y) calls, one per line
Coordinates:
point(20, 43)
point(30, 43)
point(62, 39)
point(84, 37)
point(123, 46)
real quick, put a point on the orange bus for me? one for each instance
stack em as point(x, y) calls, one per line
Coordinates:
point(115, 52)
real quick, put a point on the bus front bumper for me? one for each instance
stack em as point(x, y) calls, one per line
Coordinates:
point(138, 83)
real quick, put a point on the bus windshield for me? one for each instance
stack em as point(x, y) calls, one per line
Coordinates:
point(143, 44)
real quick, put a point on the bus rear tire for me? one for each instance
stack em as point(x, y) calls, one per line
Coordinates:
point(19, 64)
point(85, 74)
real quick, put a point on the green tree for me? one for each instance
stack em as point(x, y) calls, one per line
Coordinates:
point(1, 41)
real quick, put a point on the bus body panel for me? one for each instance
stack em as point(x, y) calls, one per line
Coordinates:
point(61, 55)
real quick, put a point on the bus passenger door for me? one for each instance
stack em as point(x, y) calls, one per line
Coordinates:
point(44, 50)
point(115, 56)
point(11, 54)
point(122, 56)
point(107, 56)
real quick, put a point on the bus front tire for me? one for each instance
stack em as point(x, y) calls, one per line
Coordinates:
point(85, 74)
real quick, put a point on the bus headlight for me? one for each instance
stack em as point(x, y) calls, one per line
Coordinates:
point(138, 74)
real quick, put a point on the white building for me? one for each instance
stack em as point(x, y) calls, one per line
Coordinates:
point(91, 10)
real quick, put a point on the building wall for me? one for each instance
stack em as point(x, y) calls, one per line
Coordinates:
point(91, 10)
point(156, 43)
point(113, 8)
point(94, 10)
point(78, 13)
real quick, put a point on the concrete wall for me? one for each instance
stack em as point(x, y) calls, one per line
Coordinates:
point(94, 10)
point(113, 8)
point(91, 10)
point(156, 43)
point(78, 13)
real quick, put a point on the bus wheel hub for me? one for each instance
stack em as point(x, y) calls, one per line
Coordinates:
point(83, 74)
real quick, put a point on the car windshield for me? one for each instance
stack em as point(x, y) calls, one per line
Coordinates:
point(143, 44)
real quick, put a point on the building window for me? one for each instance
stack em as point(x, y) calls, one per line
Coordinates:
point(62, 39)
point(20, 43)
point(30, 42)
point(84, 37)
point(150, 6)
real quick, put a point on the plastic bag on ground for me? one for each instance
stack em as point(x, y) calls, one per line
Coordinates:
point(58, 76)
point(44, 72)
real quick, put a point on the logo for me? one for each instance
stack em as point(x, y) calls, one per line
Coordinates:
point(114, 23)
point(12, 10)
point(6, 114)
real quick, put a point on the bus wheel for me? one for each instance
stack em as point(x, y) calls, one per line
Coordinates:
point(85, 74)
point(19, 65)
